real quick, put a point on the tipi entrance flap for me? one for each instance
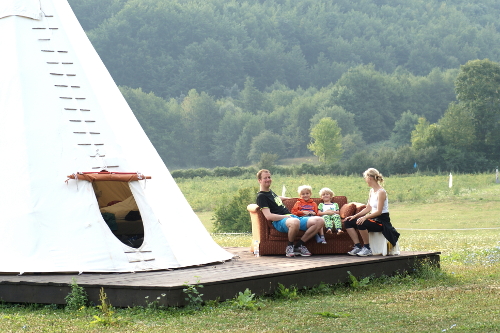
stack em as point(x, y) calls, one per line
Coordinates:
point(26, 8)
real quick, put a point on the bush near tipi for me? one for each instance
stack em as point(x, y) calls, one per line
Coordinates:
point(233, 216)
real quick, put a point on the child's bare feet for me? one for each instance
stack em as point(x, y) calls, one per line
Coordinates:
point(339, 231)
point(329, 231)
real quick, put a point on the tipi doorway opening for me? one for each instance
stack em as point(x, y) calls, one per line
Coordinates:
point(120, 211)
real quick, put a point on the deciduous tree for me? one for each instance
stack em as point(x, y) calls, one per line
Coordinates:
point(478, 89)
point(326, 141)
point(266, 142)
point(401, 134)
point(426, 135)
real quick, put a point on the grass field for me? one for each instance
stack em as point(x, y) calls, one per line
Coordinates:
point(205, 194)
point(463, 296)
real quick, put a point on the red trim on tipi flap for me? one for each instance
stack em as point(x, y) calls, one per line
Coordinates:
point(109, 176)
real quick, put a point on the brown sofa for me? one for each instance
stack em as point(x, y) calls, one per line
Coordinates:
point(273, 242)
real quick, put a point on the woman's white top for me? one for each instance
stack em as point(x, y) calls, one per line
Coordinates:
point(373, 201)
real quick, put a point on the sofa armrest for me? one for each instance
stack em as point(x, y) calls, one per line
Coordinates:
point(253, 208)
point(258, 224)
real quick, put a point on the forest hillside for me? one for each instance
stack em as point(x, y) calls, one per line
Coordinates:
point(219, 82)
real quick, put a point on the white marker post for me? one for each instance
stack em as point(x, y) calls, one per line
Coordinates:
point(450, 183)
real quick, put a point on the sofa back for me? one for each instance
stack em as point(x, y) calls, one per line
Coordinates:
point(340, 200)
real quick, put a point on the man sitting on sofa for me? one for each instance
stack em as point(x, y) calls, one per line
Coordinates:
point(275, 211)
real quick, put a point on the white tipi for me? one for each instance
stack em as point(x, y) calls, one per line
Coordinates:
point(62, 113)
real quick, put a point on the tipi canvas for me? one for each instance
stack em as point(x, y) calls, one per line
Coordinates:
point(61, 115)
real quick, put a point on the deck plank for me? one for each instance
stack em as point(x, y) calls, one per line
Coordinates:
point(221, 280)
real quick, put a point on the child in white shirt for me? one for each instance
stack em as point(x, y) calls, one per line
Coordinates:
point(330, 211)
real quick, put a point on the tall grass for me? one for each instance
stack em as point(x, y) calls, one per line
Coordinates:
point(204, 194)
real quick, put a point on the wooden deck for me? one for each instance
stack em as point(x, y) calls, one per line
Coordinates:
point(223, 280)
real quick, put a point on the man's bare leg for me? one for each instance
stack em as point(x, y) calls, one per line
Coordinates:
point(293, 225)
point(314, 225)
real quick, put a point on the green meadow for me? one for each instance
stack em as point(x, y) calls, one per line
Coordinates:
point(204, 194)
point(462, 222)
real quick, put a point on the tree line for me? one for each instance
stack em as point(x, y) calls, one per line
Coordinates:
point(368, 106)
point(220, 82)
point(169, 47)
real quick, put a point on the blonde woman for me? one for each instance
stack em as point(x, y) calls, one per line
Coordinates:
point(375, 217)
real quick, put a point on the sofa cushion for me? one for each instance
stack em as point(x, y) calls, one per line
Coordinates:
point(359, 206)
point(347, 210)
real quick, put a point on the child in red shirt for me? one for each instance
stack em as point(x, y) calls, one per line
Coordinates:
point(305, 206)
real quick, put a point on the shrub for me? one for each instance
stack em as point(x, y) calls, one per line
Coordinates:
point(282, 170)
point(283, 292)
point(236, 171)
point(194, 297)
point(192, 173)
point(217, 172)
point(229, 172)
point(202, 172)
point(356, 284)
point(77, 297)
point(221, 172)
point(246, 301)
point(233, 216)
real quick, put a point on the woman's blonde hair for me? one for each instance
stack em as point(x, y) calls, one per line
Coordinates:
point(304, 187)
point(371, 172)
point(326, 190)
